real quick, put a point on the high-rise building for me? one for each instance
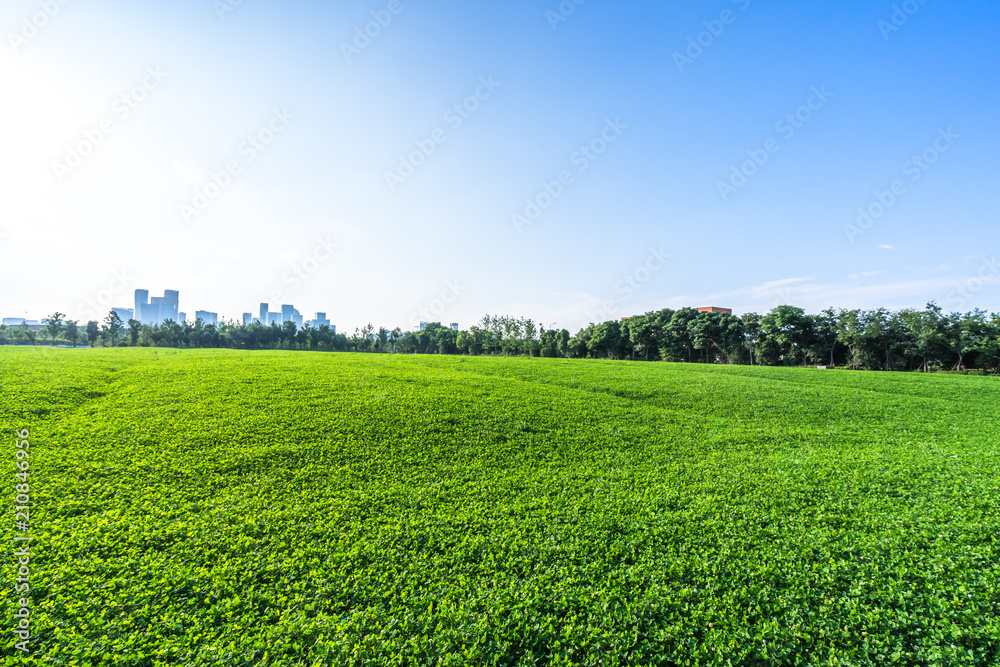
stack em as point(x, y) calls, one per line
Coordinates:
point(454, 326)
point(141, 300)
point(290, 314)
point(170, 307)
point(247, 318)
point(319, 321)
point(182, 318)
point(206, 317)
point(125, 314)
point(158, 309)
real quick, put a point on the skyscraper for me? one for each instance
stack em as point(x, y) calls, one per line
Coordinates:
point(159, 308)
point(319, 321)
point(290, 314)
point(206, 317)
point(141, 301)
point(170, 306)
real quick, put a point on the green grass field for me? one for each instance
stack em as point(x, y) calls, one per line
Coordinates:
point(231, 508)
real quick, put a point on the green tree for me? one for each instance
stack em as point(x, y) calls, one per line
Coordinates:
point(113, 327)
point(790, 332)
point(365, 338)
point(25, 332)
point(989, 346)
point(824, 340)
point(607, 340)
point(643, 333)
point(924, 335)
point(704, 330)
point(562, 343)
point(851, 334)
point(965, 334)
point(93, 332)
point(751, 333)
point(134, 329)
point(882, 338)
point(579, 345)
point(382, 339)
point(675, 343)
point(529, 334)
point(72, 331)
point(287, 335)
point(53, 324)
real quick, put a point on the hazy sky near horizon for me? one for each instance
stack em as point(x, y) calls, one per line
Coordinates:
point(564, 162)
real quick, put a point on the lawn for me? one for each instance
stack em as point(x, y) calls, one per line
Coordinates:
point(268, 508)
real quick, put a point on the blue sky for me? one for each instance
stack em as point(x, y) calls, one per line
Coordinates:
point(640, 221)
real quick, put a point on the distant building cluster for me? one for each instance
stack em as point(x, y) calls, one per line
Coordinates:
point(34, 325)
point(159, 309)
point(288, 313)
point(154, 311)
point(206, 317)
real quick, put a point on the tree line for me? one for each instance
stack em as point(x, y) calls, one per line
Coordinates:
point(880, 339)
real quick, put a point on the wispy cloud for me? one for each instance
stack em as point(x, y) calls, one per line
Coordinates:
point(866, 274)
point(815, 296)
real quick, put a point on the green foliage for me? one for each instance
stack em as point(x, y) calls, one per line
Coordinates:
point(276, 508)
point(926, 340)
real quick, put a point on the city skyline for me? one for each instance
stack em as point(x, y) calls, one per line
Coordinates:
point(154, 311)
